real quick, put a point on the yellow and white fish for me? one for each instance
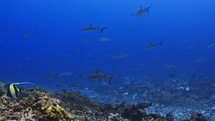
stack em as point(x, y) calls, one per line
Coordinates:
point(14, 91)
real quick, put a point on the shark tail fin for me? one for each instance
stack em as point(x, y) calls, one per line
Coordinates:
point(161, 42)
point(147, 9)
point(102, 29)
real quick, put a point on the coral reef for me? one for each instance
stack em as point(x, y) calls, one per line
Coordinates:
point(37, 104)
point(56, 112)
point(41, 107)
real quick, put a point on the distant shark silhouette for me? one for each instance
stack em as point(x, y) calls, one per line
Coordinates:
point(142, 11)
point(93, 28)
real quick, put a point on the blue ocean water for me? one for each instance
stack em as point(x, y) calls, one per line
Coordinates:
point(55, 44)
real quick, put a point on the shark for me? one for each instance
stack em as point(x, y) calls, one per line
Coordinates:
point(141, 12)
point(27, 33)
point(153, 45)
point(104, 39)
point(93, 28)
point(211, 44)
point(97, 76)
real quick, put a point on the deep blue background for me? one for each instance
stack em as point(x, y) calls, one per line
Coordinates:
point(180, 23)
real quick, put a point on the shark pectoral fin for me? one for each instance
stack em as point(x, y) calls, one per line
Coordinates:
point(102, 29)
point(110, 79)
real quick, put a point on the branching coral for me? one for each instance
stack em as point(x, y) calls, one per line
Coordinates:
point(56, 112)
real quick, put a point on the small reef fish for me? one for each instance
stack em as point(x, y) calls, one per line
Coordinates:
point(66, 73)
point(51, 61)
point(120, 55)
point(74, 85)
point(200, 60)
point(191, 46)
point(78, 48)
point(28, 59)
point(27, 33)
point(211, 44)
point(14, 91)
point(139, 84)
point(104, 39)
point(93, 28)
point(170, 66)
point(97, 76)
point(68, 54)
point(153, 45)
point(51, 77)
point(142, 11)
point(20, 65)
point(57, 75)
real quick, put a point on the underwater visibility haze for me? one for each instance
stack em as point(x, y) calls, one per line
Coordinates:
point(114, 50)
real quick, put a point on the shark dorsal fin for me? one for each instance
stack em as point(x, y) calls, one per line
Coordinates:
point(97, 70)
